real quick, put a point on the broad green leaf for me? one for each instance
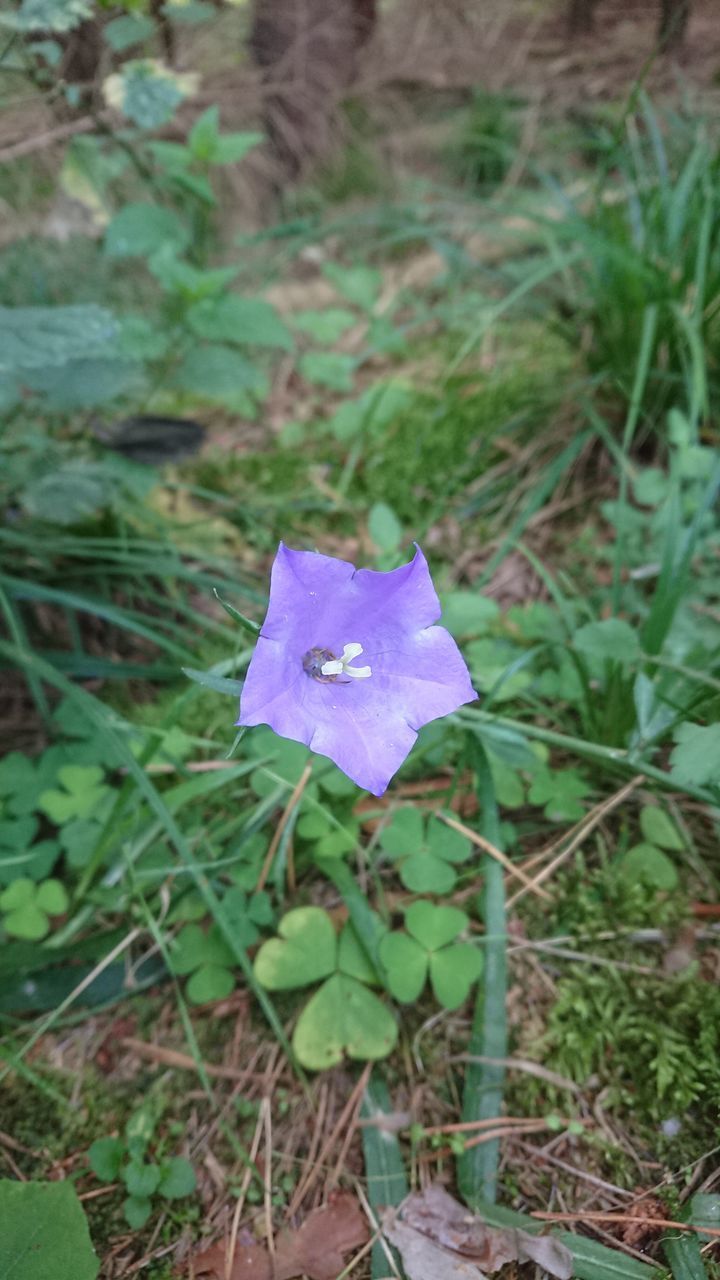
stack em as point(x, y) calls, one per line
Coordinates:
point(128, 30)
point(209, 982)
point(49, 15)
point(424, 873)
point(140, 1179)
point(467, 613)
point(384, 527)
point(106, 1156)
point(69, 494)
point(329, 369)
point(84, 792)
point(246, 322)
point(304, 951)
point(352, 958)
point(324, 326)
point(612, 640)
point(209, 146)
point(648, 865)
point(445, 843)
point(18, 894)
point(659, 829)
point(18, 784)
point(191, 283)
point(139, 230)
point(404, 833)
point(82, 384)
point(137, 1211)
point(696, 757)
point(360, 285)
point(406, 964)
point(453, 970)
point(343, 1018)
point(434, 926)
point(560, 791)
point(39, 337)
point(217, 374)
point(178, 1179)
point(44, 1233)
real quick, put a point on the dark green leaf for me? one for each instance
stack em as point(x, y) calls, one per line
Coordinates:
point(44, 1233)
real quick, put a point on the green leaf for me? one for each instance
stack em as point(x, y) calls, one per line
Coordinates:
point(384, 1170)
point(647, 865)
point(685, 1257)
point(106, 1156)
point(82, 384)
point(304, 951)
point(360, 285)
point(69, 494)
point(128, 30)
point(18, 894)
point(139, 230)
point(52, 897)
point(453, 970)
point(406, 965)
point(27, 922)
point(210, 982)
point(191, 283)
point(384, 527)
point(209, 146)
point(44, 1233)
point(249, 322)
point(37, 337)
point(445, 843)
point(610, 640)
point(18, 783)
point(84, 793)
point(696, 758)
point(560, 792)
point(659, 829)
point(329, 369)
point(434, 926)
point(324, 326)
point(467, 613)
point(193, 948)
point(50, 15)
point(137, 1211)
point(140, 1179)
point(404, 833)
point(352, 958)
point(343, 1018)
point(424, 873)
point(218, 684)
point(217, 374)
point(147, 92)
point(178, 1179)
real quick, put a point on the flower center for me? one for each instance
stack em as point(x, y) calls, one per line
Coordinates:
point(323, 665)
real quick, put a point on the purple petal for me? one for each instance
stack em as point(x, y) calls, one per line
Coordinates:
point(368, 726)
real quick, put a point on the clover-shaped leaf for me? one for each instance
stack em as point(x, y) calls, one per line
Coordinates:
point(207, 958)
point(83, 794)
point(304, 951)
point(648, 865)
point(560, 792)
point(343, 1016)
point(19, 856)
point(27, 907)
point(429, 947)
point(695, 760)
point(18, 783)
point(426, 851)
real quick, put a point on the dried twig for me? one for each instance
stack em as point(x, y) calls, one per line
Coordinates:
point(497, 854)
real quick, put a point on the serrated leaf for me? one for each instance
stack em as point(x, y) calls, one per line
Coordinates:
point(304, 951)
point(128, 30)
point(329, 369)
point(324, 326)
point(83, 384)
point(343, 1018)
point(139, 230)
point(38, 337)
point(360, 285)
point(147, 91)
point(243, 321)
point(217, 374)
point(50, 15)
point(44, 1233)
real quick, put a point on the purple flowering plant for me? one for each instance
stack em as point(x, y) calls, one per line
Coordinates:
point(350, 662)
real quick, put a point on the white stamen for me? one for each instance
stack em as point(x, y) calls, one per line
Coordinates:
point(341, 666)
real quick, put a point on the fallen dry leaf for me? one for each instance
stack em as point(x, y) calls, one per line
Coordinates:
point(438, 1237)
point(316, 1249)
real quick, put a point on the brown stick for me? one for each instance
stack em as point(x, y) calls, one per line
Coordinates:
point(665, 1223)
point(497, 854)
point(172, 1058)
point(289, 807)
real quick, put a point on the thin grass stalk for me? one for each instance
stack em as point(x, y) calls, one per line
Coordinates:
point(484, 1081)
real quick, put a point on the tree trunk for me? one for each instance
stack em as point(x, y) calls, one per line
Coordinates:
point(308, 50)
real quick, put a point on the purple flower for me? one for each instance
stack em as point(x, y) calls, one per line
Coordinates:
point(348, 662)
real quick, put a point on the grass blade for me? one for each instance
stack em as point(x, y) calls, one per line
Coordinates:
point(384, 1169)
point(483, 1092)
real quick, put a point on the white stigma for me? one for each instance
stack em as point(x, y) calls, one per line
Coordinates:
point(341, 666)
